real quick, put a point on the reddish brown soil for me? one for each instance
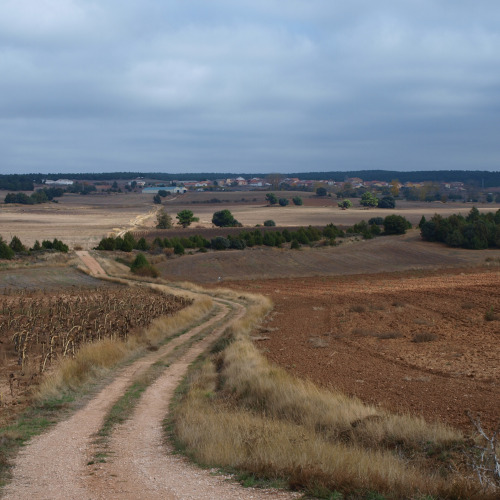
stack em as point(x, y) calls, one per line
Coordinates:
point(333, 330)
point(383, 254)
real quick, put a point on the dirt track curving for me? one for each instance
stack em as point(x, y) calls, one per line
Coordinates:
point(55, 465)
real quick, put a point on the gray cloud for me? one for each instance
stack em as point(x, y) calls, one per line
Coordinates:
point(248, 86)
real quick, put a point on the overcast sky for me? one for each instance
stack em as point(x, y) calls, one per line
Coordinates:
point(249, 86)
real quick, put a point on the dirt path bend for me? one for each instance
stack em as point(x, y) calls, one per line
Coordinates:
point(137, 222)
point(53, 466)
point(92, 264)
point(144, 467)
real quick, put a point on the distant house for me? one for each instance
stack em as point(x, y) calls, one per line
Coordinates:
point(137, 183)
point(171, 190)
point(59, 182)
point(256, 182)
point(197, 184)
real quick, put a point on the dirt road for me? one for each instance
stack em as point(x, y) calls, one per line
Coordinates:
point(55, 465)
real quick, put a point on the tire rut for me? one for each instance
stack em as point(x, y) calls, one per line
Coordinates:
point(53, 466)
point(144, 467)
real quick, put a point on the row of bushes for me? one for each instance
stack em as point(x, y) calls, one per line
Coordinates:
point(392, 224)
point(475, 231)
point(125, 244)
point(9, 250)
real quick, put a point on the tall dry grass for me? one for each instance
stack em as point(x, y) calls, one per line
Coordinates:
point(241, 411)
point(93, 360)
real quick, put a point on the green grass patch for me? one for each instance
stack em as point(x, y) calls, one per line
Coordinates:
point(32, 422)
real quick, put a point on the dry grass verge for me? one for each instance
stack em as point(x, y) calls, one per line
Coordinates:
point(238, 410)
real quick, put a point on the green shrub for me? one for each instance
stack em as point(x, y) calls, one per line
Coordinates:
point(220, 243)
point(142, 244)
point(178, 248)
point(237, 244)
point(107, 244)
point(269, 223)
point(5, 251)
point(271, 198)
point(36, 246)
point(16, 245)
point(224, 218)
point(396, 224)
point(269, 239)
point(60, 246)
point(142, 267)
point(387, 202)
point(163, 220)
point(368, 200)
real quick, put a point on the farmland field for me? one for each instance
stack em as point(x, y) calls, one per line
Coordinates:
point(48, 313)
point(83, 220)
point(406, 325)
point(417, 342)
point(383, 254)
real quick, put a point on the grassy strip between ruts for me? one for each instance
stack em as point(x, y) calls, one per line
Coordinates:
point(75, 380)
point(237, 411)
point(122, 410)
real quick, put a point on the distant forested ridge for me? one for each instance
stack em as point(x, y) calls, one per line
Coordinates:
point(25, 182)
point(17, 182)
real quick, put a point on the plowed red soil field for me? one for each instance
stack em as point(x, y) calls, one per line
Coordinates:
point(426, 343)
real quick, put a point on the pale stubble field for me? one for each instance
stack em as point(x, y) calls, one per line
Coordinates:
point(83, 220)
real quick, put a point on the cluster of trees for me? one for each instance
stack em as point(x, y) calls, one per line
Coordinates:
point(272, 199)
point(475, 231)
point(184, 218)
point(392, 224)
point(125, 244)
point(302, 236)
point(369, 199)
point(17, 182)
point(15, 247)
point(39, 196)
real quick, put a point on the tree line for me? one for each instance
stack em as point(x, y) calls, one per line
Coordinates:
point(392, 224)
point(474, 231)
point(16, 248)
point(25, 182)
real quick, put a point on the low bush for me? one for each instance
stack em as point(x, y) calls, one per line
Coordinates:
point(396, 224)
point(424, 337)
point(5, 251)
point(379, 221)
point(490, 315)
point(142, 267)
